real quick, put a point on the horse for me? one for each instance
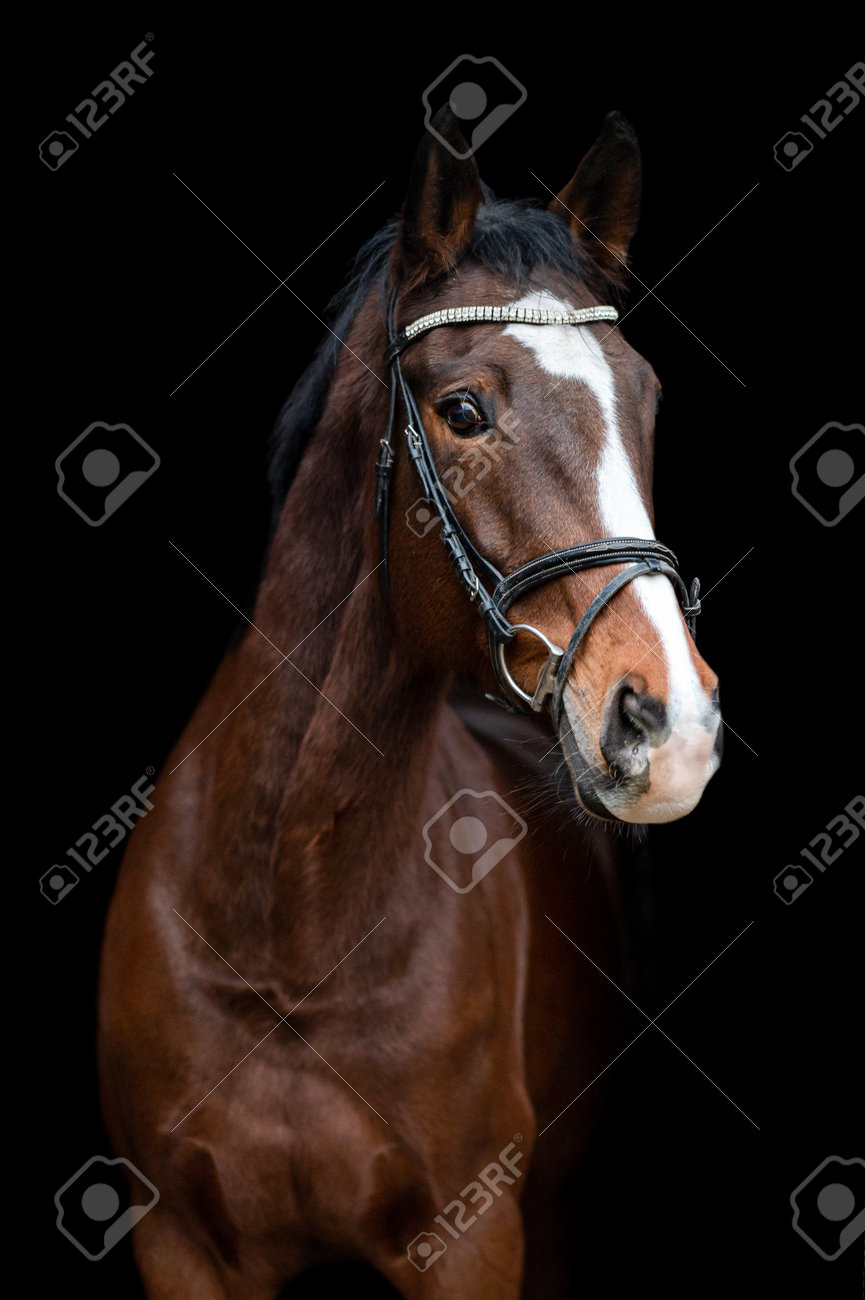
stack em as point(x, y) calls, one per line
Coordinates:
point(336, 1022)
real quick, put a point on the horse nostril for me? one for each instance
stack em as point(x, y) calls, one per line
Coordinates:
point(642, 712)
point(631, 723)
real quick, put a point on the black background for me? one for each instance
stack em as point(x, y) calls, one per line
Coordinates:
point(282, 132)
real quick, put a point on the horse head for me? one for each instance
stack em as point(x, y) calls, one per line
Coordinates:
point(542, 436)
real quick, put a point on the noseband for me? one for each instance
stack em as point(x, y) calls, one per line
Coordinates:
point(493, 592)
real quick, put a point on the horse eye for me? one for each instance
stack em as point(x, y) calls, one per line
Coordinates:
point(463, 416)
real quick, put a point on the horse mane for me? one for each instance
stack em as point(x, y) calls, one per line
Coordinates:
point(515, 238)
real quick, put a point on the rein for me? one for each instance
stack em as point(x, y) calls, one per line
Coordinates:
point(493, 592)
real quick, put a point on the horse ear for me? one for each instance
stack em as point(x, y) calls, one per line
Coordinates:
point(443, 196)
point(602, 201)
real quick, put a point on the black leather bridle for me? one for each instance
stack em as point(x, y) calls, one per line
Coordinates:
point(493, 592)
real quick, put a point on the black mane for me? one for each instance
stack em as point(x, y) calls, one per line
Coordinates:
point(516, 239)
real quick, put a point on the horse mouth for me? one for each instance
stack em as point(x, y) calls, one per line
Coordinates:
point(594, 784)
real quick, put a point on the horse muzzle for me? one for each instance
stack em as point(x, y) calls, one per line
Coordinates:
point(647, 770)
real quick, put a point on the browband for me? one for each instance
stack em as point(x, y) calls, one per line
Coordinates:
point(494, 315)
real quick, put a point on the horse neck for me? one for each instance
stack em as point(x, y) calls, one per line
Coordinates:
point(358, 709)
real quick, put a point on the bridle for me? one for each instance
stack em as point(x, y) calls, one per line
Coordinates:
point(493, 592)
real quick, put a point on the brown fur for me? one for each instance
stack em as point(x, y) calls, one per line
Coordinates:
point(281, 840)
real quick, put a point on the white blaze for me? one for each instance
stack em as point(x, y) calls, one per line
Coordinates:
point(571, 352)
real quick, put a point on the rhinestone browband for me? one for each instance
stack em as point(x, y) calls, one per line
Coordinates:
point(512, 315)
